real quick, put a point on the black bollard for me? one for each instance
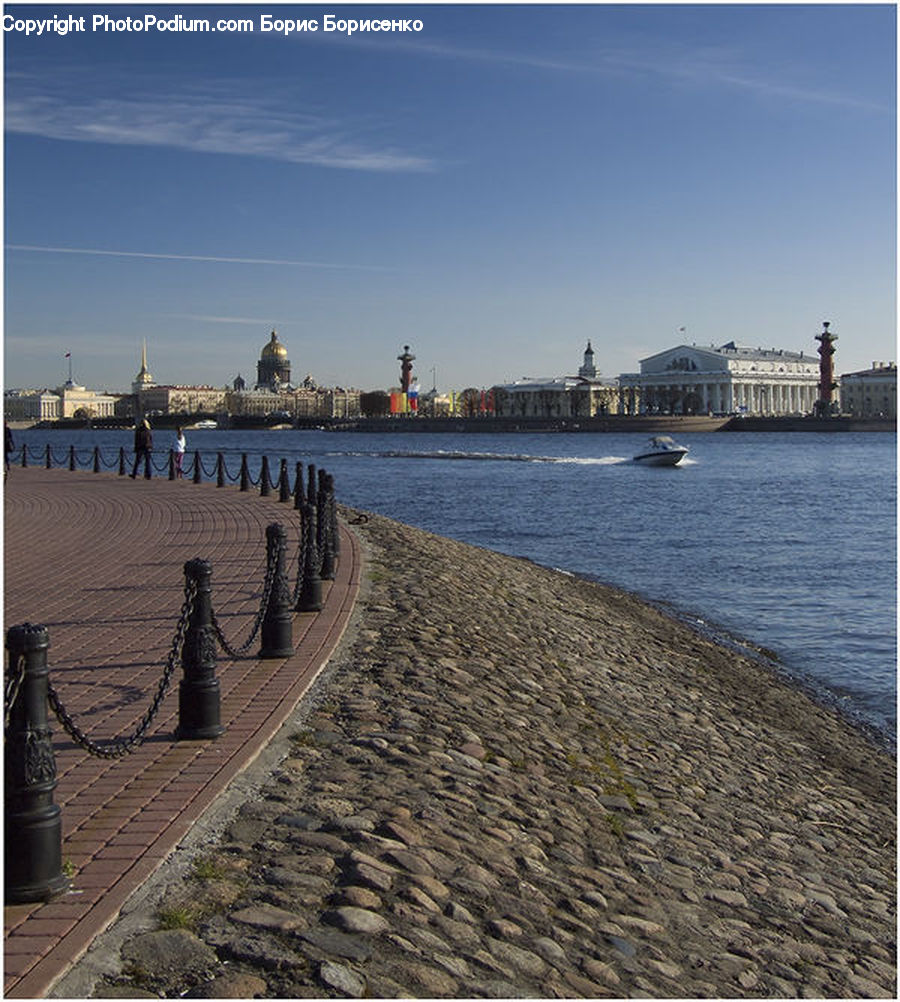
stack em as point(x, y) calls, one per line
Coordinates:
point(310, 599)
point(311, 485)
point(284, 484)
point(72, 463)
point(327, 528)
point(333, 516)
point(320, 487)
point(276, 625)
point(322, 523)
point(121, 460)
point(33, 823)
point(24, 455)
point(298, 486)
point(245, 473)
point(96, 459)
point(198, 469)
point(198, 692)
point(264, 478)
point(49, 457)
point(171, 464)
point(220, 470)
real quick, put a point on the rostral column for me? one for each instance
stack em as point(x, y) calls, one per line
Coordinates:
point(827, 385)
point(406, 361)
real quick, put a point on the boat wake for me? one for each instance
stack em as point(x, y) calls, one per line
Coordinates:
point(489, 457)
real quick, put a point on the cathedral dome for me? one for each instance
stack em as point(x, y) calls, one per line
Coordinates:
point(274, 349)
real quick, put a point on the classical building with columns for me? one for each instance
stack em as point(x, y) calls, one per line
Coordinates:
point(731, 379)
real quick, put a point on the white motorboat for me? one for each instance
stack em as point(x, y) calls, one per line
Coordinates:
point(206, 424)
point(661, 450)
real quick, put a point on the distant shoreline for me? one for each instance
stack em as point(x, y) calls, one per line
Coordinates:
point(646, 424)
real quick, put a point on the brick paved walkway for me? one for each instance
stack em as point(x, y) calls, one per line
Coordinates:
point(98, 559)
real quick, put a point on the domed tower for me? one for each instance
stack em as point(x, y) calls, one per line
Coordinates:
point(588, 370)
point(273, 368)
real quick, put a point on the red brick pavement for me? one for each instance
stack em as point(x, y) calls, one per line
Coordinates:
point(98, 559)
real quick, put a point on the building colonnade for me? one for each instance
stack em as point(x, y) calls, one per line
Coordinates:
point(716, 395)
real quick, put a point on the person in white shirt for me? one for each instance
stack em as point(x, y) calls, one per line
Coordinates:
point(178, 447)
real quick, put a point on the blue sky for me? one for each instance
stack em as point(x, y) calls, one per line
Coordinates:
point(493, 190)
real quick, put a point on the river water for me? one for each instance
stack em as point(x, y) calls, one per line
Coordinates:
point(787, 541)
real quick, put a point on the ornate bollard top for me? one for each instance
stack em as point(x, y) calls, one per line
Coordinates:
point(275, 531)
point(27, 637)
point(198, 568)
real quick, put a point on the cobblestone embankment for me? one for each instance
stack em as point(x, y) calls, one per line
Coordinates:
point(515, 783)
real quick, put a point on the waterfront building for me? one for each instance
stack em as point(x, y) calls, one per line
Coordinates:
point(67, 401)
point(31, 405)
point(584, 395)
point(870, 392)
point(77, 401)
point(730, 379)
point(303, 402)
point(181, 400)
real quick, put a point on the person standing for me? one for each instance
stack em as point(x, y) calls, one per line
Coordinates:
point(143, 446)
point(8, 444)
point(178, 447)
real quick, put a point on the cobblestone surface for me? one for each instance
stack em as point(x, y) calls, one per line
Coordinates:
point(515, 783)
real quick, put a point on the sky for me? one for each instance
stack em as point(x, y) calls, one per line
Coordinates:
point(494, 189)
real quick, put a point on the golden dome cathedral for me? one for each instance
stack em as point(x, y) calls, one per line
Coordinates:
point(273, 370)
point(274, 348)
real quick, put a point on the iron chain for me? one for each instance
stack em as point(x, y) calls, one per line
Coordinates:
point(117, 749)
point(236, 652)
point(301, 559)
point(11, 690)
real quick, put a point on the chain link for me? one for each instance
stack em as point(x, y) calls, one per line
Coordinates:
point(301, 559)
point(11, 690)
point(236, 652)
point(117, 749)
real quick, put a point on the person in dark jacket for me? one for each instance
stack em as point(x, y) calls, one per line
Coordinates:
point(8, 444)
point(143, 446)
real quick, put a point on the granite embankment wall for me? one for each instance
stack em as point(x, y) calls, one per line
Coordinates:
point(515, 783)
point(644, 424)
point(647, 424)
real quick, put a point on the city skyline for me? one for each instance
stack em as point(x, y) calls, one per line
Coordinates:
point(495, 189)
point(418, 376)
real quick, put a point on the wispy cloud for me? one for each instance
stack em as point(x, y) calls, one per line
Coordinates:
point(238, 321)
point(195, 257)
point(211, 119)
point(666, 60)
point(723, 67)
